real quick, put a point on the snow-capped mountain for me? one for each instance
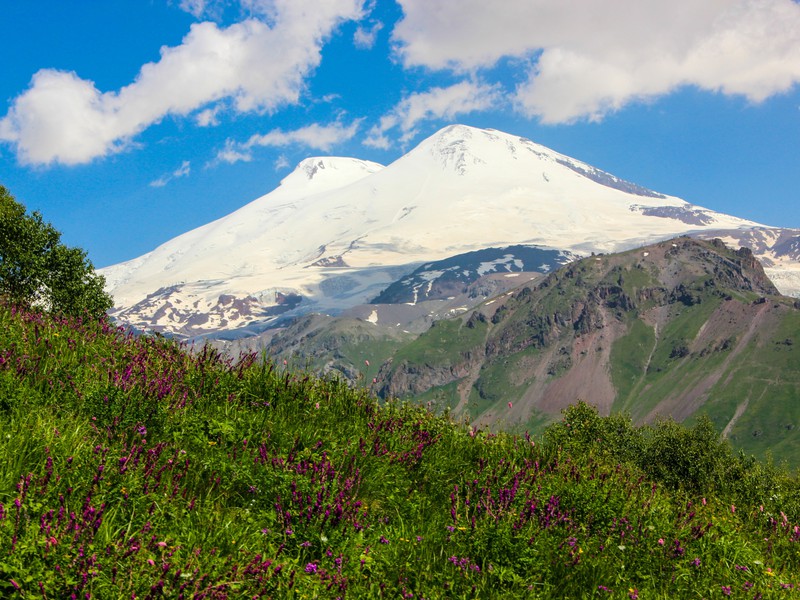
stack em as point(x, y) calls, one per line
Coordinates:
point(338, 231)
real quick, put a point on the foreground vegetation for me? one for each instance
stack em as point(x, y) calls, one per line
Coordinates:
point(131, 467)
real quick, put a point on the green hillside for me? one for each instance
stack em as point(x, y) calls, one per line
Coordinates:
point(681, 329)
point(132, 468)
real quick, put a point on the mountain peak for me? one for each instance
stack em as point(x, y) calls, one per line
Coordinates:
point(327, 172)
point(339, 230)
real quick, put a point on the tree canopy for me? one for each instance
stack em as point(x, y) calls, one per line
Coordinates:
point(37, 270)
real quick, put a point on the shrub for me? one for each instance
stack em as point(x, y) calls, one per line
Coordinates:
point(36, 269)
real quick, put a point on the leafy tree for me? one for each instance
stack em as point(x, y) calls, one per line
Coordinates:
point(36, 269)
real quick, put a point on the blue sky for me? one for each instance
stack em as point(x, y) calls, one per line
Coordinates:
point(127, 122)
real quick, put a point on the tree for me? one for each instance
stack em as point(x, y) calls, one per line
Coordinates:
point(37, 270)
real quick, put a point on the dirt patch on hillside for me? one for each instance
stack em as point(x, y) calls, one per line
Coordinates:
point(588, 378)
point(722, 327)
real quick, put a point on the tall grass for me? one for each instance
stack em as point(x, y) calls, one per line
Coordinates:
point(131, 467)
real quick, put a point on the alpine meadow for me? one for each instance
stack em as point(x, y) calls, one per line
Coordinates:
point(400, 300)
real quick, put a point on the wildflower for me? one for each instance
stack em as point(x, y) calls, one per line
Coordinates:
point(696, 562)
point(726, 589)
point(633, 593)
point(733, 508)
point(704, 501)
point(510, 404)
point(660, 541)
point(366, 362)
point(383, 540)
point(311, 568)
point(316, 405)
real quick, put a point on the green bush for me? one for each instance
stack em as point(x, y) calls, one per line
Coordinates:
point(36, 269)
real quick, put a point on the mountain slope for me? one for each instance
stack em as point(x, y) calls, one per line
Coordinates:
point(338, 231)
point(677, 329)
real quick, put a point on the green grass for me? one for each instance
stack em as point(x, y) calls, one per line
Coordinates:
point(629, 357)
point(495, 386)
point(130, 467)
point(443, 344)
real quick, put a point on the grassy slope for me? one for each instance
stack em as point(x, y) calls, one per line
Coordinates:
point(648, 372)
point(129, 467)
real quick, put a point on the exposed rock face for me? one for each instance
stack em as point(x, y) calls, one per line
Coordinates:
point(569, 321)
point(411, 379)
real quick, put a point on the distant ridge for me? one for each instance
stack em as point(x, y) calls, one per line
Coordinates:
point(338, 231)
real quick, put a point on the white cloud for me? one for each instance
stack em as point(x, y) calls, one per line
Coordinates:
point(436, 103)
point(181, 171)
point(194, 7)
point(364, 38)
point(209, 117)
point(252, 65)
point(586, 59)
point(282, 163)
point(315, 136)
point(230, 154)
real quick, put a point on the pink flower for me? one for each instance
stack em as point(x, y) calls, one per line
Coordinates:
point(733, 508)
point(316, 406)
point(366, 362)
point(510, 404)
point(704, 501)
point(660, 541)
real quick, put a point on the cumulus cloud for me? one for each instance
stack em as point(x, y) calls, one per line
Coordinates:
point(436, 103)
point(315, 136)
point(255, 65)
point(582, 60)
point(181, 171)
